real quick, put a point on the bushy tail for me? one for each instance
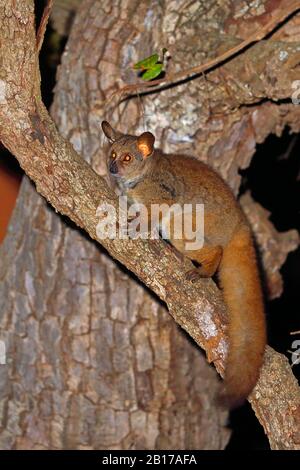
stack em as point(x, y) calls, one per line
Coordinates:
point(242, 291)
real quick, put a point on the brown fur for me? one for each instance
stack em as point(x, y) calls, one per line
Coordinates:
point(155, 178)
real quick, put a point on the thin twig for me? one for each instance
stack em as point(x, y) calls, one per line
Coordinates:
point(69, 183)
point(258, 35)
point(43, 24)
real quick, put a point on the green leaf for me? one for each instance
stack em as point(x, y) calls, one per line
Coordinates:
point(147, 63)
point(153, 72)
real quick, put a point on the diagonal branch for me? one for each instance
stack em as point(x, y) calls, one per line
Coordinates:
point(75, 190)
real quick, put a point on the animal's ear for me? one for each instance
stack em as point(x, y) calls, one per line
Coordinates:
point(110, 132)
point(145, 144)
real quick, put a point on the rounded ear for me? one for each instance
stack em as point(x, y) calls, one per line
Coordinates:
point(110, 132)
point(145, 144)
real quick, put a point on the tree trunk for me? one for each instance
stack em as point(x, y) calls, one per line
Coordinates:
point(93, 359)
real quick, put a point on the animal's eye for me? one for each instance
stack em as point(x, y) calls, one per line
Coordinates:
point(127, 158)
point(113, 155)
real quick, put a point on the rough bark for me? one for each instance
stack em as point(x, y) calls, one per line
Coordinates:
point(76, 344)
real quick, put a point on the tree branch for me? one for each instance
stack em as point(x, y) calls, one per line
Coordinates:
point(258, 35)
point(43, 25)
point(75, 190)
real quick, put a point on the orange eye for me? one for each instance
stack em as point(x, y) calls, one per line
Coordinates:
point(127, 158)
point(113, 155)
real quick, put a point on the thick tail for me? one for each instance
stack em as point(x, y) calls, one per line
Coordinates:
point(242, 291)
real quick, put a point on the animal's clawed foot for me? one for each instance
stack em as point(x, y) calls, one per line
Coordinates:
point(193, 275)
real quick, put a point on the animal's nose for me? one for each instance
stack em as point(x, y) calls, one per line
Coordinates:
point(113, 167)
